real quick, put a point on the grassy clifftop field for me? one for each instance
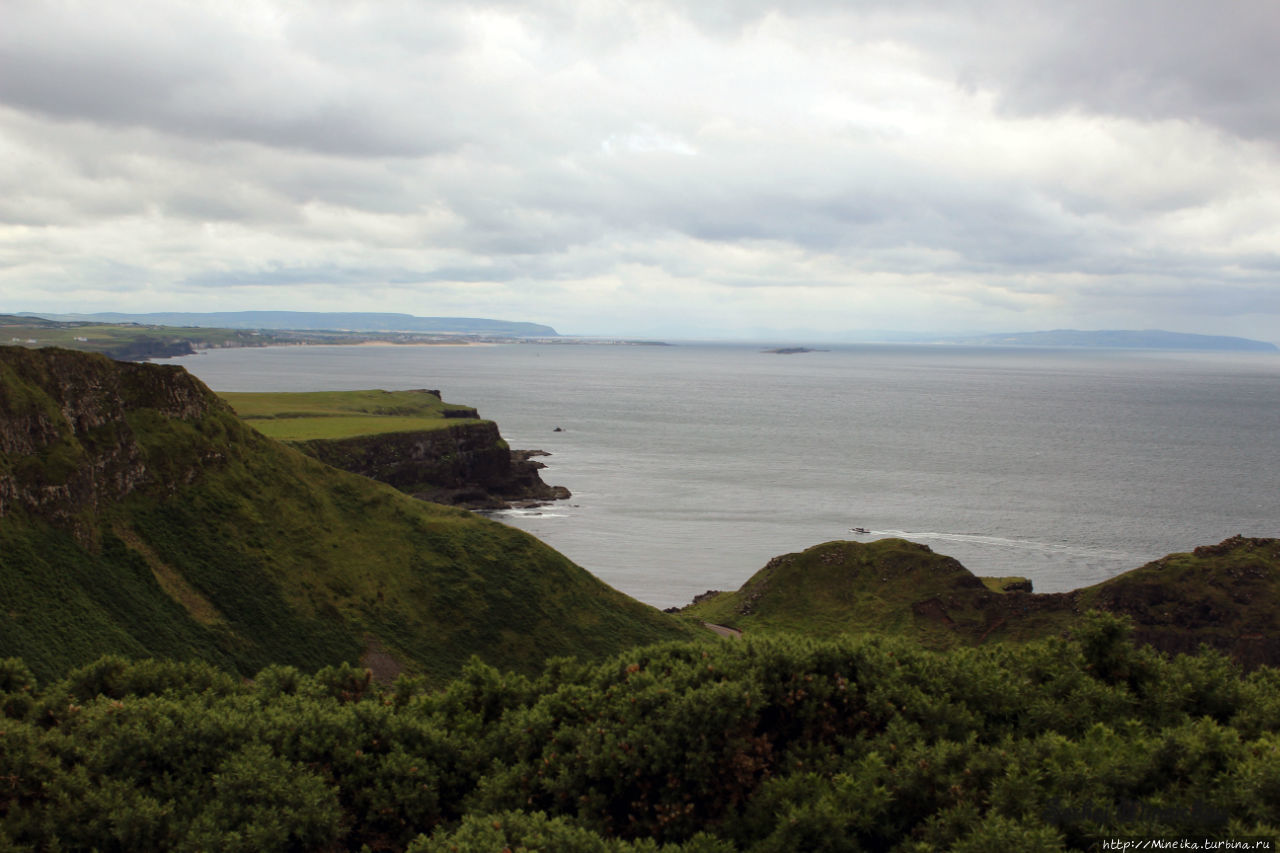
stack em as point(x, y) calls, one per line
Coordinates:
point(412, 440)
point(1225, 595)
point(305, 416)
point(140, 516)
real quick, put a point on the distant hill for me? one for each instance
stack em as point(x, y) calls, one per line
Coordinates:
point(139, 516)
point(24, 321)
point(322, 321)
point(130, 341)
point(1118, 339)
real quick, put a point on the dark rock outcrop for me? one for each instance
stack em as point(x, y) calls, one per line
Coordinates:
point(462, 465)
point(67, 425)
point(141, 350)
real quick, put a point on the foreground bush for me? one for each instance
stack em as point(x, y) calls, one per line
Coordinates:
point(776, 745)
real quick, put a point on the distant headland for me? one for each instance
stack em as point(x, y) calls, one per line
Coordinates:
point(346, 321)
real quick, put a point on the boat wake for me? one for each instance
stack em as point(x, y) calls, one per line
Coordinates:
point(995, 542)
point(525, 513)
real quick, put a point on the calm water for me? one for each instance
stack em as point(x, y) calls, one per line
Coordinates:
point(692, 465)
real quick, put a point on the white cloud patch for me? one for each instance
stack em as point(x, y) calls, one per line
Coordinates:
point(630, 168)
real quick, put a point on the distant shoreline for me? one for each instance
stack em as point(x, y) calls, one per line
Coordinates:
point(410, 344)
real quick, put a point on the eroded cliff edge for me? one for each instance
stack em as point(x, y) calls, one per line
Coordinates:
point(462, 465)
point(74, 430)
point(413, 440)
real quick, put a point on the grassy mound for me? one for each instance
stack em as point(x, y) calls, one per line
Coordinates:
point(1225, 595)
point(890, 586)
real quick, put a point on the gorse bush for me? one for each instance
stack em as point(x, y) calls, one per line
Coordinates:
point(759, 745)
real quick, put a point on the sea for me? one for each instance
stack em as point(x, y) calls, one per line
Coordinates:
point(691, 465)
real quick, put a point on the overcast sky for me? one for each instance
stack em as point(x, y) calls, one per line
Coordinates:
point(650, 168)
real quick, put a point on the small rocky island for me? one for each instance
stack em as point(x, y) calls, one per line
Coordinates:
point(791, 350)
point(413, 440)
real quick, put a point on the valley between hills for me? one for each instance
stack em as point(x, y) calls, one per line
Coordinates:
point(228, 623)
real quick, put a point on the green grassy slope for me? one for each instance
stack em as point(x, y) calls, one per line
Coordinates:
point(1225, 595)
point(890, 586)
point(225, 545)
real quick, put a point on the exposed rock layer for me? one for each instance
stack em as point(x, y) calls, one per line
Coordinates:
point(464, 465)
point(74, 440)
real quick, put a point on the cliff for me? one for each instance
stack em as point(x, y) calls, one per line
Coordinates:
point(465, 465)
point(70, 431)
point(412, 440)
point(140, 516)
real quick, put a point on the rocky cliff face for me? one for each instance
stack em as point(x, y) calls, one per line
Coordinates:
point(67, 438)
point(466, 465)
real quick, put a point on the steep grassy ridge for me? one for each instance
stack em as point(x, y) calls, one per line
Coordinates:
point(139, 515)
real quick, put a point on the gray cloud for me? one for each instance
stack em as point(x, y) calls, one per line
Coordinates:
point(1152, 60)
point(200, 71)
point(1002, 160)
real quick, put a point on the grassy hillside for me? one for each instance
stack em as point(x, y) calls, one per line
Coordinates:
point(1225, 595)
point(890, 586)
point(135, 524)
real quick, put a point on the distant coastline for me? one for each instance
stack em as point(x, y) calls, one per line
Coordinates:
point(1115, 339)
point(317, 321)
point(161, 335)
point(123, 337)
